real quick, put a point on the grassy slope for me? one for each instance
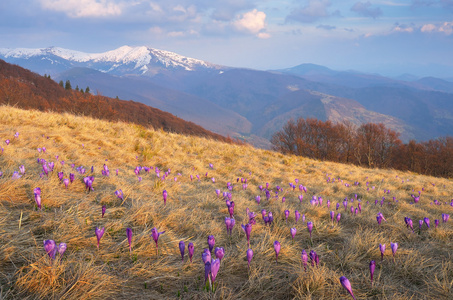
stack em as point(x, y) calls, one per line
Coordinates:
point(423, 267)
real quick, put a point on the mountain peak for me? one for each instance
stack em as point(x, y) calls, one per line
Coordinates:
point(138, 59)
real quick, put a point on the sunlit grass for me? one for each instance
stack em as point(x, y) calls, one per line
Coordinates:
point(422, 268)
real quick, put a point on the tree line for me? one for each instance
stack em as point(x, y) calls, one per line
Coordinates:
point(370, 145)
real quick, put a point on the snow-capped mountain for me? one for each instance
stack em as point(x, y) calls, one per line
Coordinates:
point(125, 60)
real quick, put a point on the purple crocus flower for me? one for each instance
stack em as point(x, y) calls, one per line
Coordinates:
point(119, 193)
point(103, 210)
point(293, 232)
point(37, 193)
point(310, 227)
point(252, 217)
point(206, 256)
point(22, 169)
point(207, 270)
point(191, 250)
point(297, 215)
point(277, 249)
point(258, 199)
point(66, 182)
point(304, 258)
point(51, 248)
point(332, 216)
point(426, 220)
point(155, 235)
point(436, 223)
point(99, 233)
point(301, 197)
point(219, 253)
point(394, 247)
point(62, 248)
point(286, 215)
point(215, 266)
point(182, 247)
point(248, 230)
point(165, 195)
point(231, 209)
point(347, 285)
point(445, 218)
point(7, 142)
point(129, 238)
point(270, 218)
point(372, 268)
point(382, 249)
point(233, 221)
point(227, 224)
point(211, 242)
point(249, 256)
point(71, 177)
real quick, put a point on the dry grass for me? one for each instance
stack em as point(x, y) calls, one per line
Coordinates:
point(423, 267)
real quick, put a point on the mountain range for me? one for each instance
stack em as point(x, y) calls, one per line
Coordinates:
point(250, 104)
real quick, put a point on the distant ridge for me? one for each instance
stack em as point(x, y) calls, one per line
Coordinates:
point(25, 89)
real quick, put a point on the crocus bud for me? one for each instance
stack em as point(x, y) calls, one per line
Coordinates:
point(219, 253)
point(62, 248)
point(211, 242)
point(382, 249)
point(394, 246)
point(215, 266)
point(347, 285)
point(372, 268)
point(249, 256)
point(50, 247)
point(310, 227)
point(191, 250)
point(182, 247)
point(99, 233)
point(277, 249)
point(304, 258)
point(129, 238)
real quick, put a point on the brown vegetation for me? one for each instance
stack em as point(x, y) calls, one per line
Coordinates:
point(371, 145)
point(24, 89)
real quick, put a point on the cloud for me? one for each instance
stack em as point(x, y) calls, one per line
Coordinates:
point(83, 8)
point(313, 11)
point(365, 9)
point(428, 28)
point(226, 10)
point(326, 27)
point(403, 28)
point(434, 3)
point(445, 28)
point(251, 22)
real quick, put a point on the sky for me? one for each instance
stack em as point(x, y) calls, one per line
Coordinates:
point(388, 37)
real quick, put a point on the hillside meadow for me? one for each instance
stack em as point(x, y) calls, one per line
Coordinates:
point(422, 267)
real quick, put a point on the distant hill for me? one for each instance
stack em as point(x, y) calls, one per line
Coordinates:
point(246, 103)
point(22, 88)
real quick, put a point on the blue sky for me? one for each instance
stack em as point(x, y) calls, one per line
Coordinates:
point(388, 37)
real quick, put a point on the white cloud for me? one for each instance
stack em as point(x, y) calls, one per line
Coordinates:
point(428, 28)
point(84, 8)
point(251, 22)
point(263, 35)
point(403, 28)
point(445, 28)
